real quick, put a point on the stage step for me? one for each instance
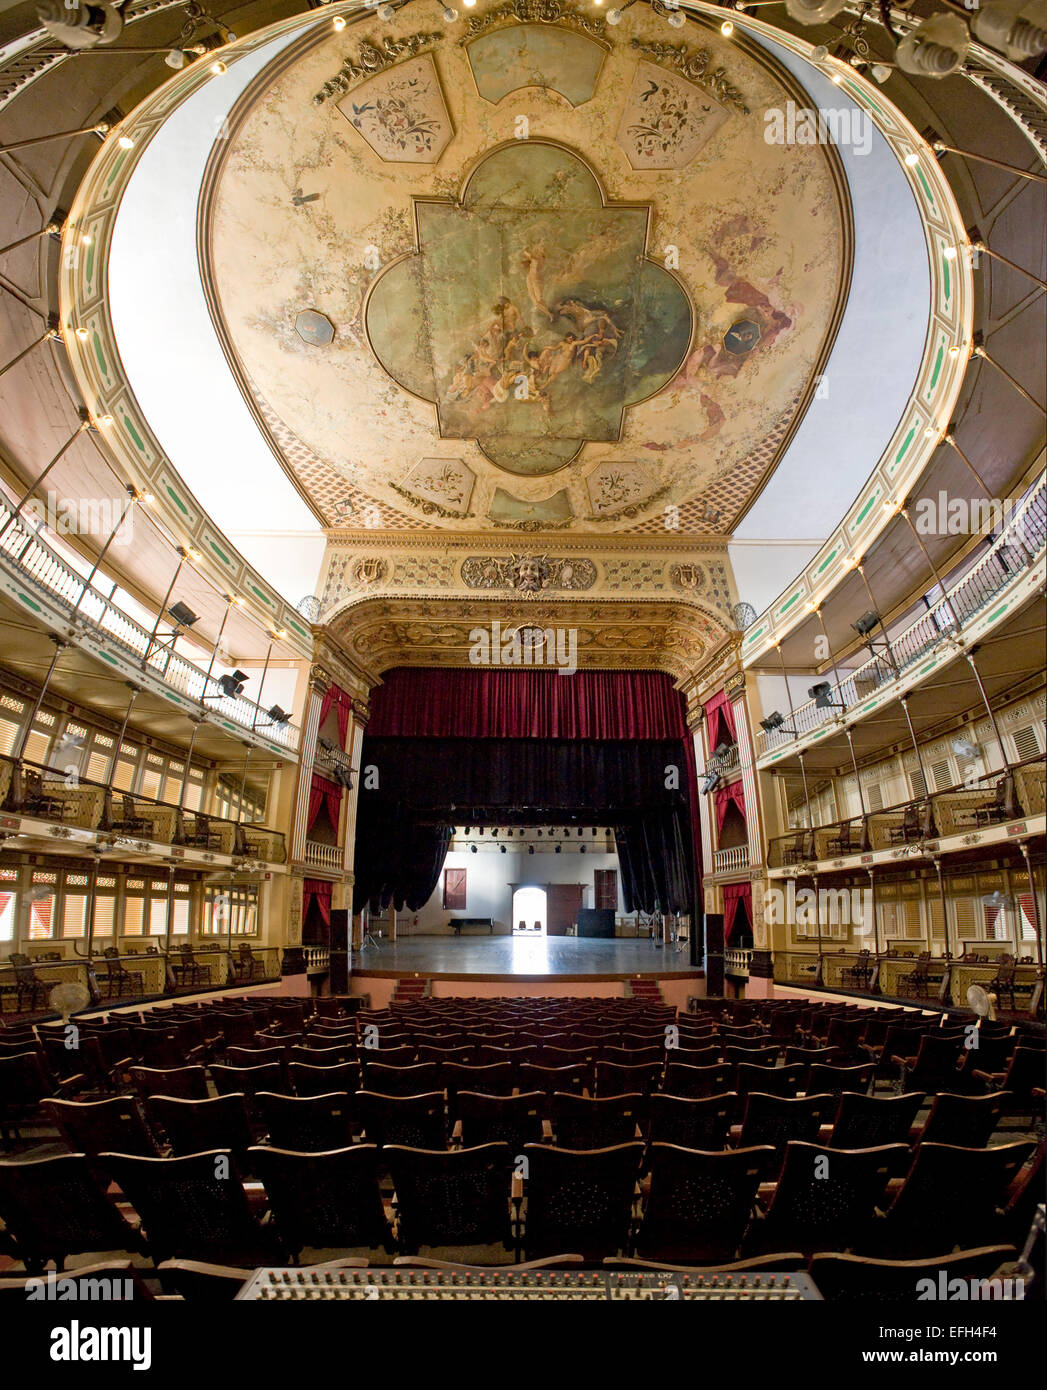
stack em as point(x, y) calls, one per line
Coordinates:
point(410, 991)
point(645, 989)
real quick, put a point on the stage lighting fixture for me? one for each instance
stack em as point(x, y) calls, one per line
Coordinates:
point(473, 848)
point(583, 849)
point(183, 616)
point(579, 830)
point(722, 750)
point(821, 694)
point(558, 848)
point(775, 721)
point(494, 832)
point(530, 849)
point(277, 715)
point(709, 782)
point(502, 848)
point(233, 684)
point(866, 623)
point(539, 832)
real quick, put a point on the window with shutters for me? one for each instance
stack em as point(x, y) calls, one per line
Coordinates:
point(1027, 917)
point(99, 756)
point(42, 890)
point(12, 715)
point(941, 773)
point(965, 919)
point(917, 782)
point(105, 908)
point(194, 790)
point(232, 911)
point(39, 741)
point(172, 782)
point(152, 776)
point(8, 903)
point(933, 907)
point(874, 797)
point(134, 907)
point(180, 908)
point(1026, 743)
point(126, 769)
point(75, 889)
point(454, 890)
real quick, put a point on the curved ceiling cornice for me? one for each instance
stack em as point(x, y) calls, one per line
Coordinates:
point(401, 243)
point(595, 634)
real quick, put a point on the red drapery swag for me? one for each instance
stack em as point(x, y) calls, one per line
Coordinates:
point(723, 797)
point(526, 704)
point(317, 890)
point(733, 894)
point(320, 792)
point(719, 714)
point(343, 702)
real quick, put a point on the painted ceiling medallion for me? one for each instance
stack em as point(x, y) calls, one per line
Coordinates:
point(535, 11)
point(529, 314)
point(536, 55)
point(372, 58)
point(314, 328)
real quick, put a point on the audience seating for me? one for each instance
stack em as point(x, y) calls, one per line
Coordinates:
point(699, 1203)
point(55, 1207)
point(307, 1124)
point(97, 1126)
point(196, 1126)
point(588, 1194)
point(324, 1200)
point(455, 1198)
point(857, 1278)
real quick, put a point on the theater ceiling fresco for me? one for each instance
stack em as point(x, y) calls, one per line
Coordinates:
point(546, 276)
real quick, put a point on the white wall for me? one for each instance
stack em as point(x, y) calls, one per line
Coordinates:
point(488, 878)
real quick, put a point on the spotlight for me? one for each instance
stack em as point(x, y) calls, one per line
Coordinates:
point(866, 623)
point(709, 782)
point(473, 848)
point(232, 685)
point(579, 831)
point(494, 832)
point(183, 615)
point(558, 848)
point(539, 832)
point(583, 849)
point(530, 849)
point(277, 715)
point(502, 848)
point(821, 694)
point(774, 721)
point(467, 829)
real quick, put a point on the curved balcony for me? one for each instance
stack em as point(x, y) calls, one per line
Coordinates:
point(1015, 554)
point(996, 800)
point(28, 562)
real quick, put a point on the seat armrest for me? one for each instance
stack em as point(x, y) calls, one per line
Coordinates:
point(516, 1190)
point(547, 1132)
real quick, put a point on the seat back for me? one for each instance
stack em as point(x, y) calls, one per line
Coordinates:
point(269, 1076)
point(188, 1083)
point(775, 1119)
point(456, 1198)
point(857, 1278)
point(414, 1080)
point(966, 1121)
point(324, 1200)
point(193, 1207)
point(771, 1081)
point(580, 1123)
point(699, 1203)
point(580, 1201)
point(825, 1080)
point(307, 1124)
point(612, 1079)
point(514, 1120)
point(100, 1126)
point(199, 1126)
point(868, 1121)
point(693, 1083)
point(951, 1196)
point(417, 1122)
point(692, 1124)
point(54, 1207)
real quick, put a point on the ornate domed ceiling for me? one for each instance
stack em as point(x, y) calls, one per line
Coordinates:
point(540, 274)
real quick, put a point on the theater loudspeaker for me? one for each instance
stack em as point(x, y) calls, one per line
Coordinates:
point(714, 955)
point(338, 974)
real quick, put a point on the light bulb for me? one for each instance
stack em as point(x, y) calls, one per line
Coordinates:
point(82, 334)
point(338, 22)
point(614, 16)
point(912, 159)
point(126, 143)
point(676, 18)
point(218, 68)
point(175, 59)
point(949, 253)
point(727, 28)
point(450, 15)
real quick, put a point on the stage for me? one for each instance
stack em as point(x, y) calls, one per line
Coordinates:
point(522, 958)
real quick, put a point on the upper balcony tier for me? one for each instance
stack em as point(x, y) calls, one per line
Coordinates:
point(41, 584)
point(985, 598)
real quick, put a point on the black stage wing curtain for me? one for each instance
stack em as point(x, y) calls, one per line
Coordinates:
point(423, 783)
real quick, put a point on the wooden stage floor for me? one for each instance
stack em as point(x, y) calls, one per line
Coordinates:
point(502, 957)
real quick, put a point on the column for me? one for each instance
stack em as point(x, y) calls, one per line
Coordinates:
point(704, 819)
point(753, 819)
point(306, 758)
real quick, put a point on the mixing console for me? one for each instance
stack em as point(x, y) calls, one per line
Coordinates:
point(324, 1285)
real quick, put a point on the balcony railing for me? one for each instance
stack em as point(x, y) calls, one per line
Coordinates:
point(736, 963)
point(1015, 550)
point(41, 793)
point(317, 959)
point(37, 565)
point(993, 800)
point(726, 861)
point(323, 856)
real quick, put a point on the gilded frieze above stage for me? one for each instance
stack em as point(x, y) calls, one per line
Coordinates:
point(531, 274)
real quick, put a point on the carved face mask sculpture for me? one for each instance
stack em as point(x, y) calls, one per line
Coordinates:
point(529, 575)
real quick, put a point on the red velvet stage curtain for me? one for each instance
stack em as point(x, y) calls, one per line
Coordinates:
point(321, 791)
point(723, 797)
point(719, 714)
point(733, 894)
point(335, 695)
point(317, 890)
point(526, 704)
